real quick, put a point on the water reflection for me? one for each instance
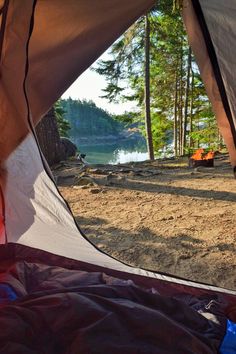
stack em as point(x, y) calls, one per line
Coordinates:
point(124, 156)
point(119, 152)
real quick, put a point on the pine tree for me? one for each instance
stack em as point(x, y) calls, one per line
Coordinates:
point(179, 107)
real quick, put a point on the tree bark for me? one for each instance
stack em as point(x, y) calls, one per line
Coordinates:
point(147, 90)
point(49, 138)
point(181, 105)
point(191, 107)
point(185, 120)
point(176, 116)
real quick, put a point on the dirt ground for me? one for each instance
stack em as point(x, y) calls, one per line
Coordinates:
point(161, 216)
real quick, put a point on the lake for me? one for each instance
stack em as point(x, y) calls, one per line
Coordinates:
point(122, 151)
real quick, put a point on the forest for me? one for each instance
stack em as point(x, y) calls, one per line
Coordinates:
point(153, 65)
point(86, 119)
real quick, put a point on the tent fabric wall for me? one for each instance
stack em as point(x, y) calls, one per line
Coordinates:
point(220, 18)
point(35, 214)
point(13, 113)
point(217, 25)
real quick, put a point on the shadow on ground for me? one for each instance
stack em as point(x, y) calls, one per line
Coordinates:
point(182, 255)
point(182, 191)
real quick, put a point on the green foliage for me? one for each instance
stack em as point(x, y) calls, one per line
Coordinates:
point(63, 124)
point(205, 132)
point(127, 118)
point(174, 76)
point(177, 5)
point(161, 131)
point(86, 119)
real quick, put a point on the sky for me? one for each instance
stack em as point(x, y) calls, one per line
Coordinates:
point(89, 86)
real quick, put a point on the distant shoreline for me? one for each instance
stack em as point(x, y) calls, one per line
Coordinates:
point(107, 139)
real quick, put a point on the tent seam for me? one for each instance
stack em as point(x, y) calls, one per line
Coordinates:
point(3, 12)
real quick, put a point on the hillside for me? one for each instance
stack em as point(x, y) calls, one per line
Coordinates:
point(88, 120)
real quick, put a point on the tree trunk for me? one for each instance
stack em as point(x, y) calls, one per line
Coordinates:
point(176, 116)
point(191, 108)
point(220, 141)
point(49, 138)
point(186, 101)
point(147, 90)
point(181, 105)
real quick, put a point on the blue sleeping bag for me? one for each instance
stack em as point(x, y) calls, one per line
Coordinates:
point(7, 294)
point(228, 345)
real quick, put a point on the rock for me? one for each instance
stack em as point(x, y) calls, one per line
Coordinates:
point(87, 186)
point(95, 190)
point(113, 179)
point(65, 180)
point(58, 166)
point(69, 149)
point(97, 171)
point(86, 181)
point(83, 187)
point(124, 170)
point(83, 174)
point(196, 170)
point(167, 218)
point(156, 173)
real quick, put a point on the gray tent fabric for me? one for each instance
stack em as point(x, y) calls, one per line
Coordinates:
point(220, 19)
point(45, 46)
point(65, 295)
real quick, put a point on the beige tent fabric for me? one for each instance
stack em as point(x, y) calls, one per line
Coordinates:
point(198, 45)
point(67, 37)
point(13, 113)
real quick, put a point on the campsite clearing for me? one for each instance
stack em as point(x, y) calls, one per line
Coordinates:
point(161, 216)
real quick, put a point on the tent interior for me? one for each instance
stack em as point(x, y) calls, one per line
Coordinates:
point(58, 292)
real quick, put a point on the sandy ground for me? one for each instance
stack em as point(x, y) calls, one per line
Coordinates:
point(161, 216)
